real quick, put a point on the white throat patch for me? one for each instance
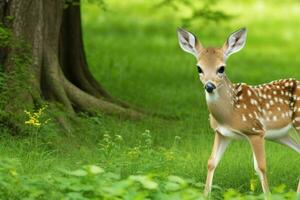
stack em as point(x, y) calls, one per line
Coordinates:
point(210, 97)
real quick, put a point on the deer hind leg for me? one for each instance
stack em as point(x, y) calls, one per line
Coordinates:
point(289, 142)
point(296, 123)
point(257, 143)
point(295, 104)
point(219, 147)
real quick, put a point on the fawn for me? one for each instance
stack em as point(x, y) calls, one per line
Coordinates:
point(241, 111)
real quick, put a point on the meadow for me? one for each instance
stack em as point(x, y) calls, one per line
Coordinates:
point(132, 50)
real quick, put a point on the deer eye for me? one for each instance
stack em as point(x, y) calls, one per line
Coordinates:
point(221, 70)
point(199, 69)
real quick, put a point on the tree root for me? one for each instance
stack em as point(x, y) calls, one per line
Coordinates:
point(89, 103)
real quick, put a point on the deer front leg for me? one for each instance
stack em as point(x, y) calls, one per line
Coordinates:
point(219, 147)
point(298, 190)
point(258, 147)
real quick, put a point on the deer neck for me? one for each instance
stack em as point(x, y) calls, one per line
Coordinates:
point(220, 102)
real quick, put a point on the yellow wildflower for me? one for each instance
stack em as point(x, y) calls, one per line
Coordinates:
point(34, 117)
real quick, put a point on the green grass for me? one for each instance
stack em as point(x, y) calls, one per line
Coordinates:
point(132, 50)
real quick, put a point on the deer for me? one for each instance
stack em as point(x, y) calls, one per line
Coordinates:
point(241, 111)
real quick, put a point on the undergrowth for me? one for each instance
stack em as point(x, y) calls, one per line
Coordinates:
point(93, 182)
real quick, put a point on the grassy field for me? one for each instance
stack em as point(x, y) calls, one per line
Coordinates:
point(132, 50)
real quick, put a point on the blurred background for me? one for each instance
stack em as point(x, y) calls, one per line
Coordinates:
point(136, 40)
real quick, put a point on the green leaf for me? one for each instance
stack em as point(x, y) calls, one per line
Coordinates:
point(94, 169)
point(145, 181)
point(79, 172)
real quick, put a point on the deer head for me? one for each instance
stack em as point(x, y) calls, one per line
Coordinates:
point(211, 61)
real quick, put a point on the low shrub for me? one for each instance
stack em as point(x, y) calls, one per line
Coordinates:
point(92, 182)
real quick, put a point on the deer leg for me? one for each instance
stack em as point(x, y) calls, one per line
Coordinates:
point(257, 143)
point(219, 147)
point(289, 142)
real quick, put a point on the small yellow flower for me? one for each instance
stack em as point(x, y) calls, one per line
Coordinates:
point(34, 117)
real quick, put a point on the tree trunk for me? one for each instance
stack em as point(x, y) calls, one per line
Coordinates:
point(58, 69)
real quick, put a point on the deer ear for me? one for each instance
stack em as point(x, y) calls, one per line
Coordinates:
point(188, 42)
point(235, 42)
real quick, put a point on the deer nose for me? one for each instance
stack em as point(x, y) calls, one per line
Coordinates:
point(209, 87)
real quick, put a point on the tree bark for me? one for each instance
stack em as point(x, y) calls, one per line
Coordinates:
point(58, 71)
point(72, 54)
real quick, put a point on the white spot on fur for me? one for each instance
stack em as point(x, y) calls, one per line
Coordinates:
point(244, 118)
point(249, 93)
point(270, 112)
point(253, 101)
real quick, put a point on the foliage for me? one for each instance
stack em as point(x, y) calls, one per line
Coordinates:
point(205, 10)
point(114, 153)
point(101, 3)
point(198, 10)
point(92, 182)
point(5, 36)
